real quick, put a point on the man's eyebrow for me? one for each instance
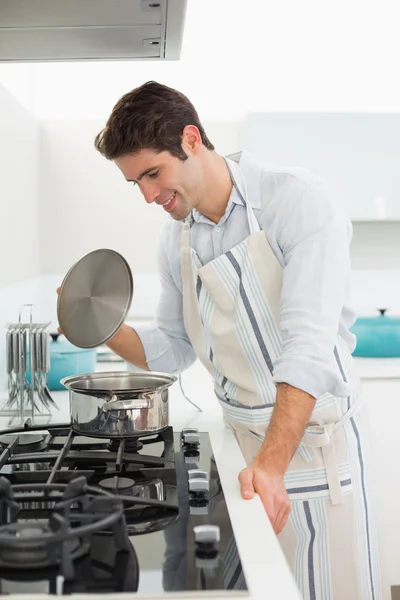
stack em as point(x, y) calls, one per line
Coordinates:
point(145, 172)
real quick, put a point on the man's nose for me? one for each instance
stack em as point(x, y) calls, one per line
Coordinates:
point(150, 192)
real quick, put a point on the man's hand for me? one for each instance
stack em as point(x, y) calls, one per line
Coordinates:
point(127, 344)
point(269, 486)
point(292, 411)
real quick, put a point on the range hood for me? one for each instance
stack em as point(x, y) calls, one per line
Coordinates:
point(70, 30)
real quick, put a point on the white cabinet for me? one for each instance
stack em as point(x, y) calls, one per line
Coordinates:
point(359, 154)
point(383, 401)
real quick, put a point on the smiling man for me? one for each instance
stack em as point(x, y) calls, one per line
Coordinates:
point(254, 267)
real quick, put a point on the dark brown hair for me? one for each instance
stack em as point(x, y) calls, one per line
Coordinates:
point(151, 117)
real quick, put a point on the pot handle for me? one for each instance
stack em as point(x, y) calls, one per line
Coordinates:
point(116, 404)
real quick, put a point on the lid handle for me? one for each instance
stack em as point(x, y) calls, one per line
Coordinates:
point(382, 311)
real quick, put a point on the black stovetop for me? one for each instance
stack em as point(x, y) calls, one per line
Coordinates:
point(90, 515)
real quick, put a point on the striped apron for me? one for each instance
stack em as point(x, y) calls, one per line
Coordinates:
point(231, 313)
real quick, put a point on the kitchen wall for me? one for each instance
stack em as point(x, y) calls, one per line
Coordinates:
point(19, 176)
point(376, 245)
point(18, 78)
point(357, 152)
point(19, 216)
point(86, 202)
point(375, 257)
point(83, 192)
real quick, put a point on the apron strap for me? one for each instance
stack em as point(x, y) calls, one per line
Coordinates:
point(185, 235)
point(239, 184)
point(320, 436)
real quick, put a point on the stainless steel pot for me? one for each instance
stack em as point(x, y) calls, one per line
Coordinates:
point(119, 404)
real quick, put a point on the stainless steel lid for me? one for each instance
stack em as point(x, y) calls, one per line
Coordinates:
point(95, 298)
point(118, 381)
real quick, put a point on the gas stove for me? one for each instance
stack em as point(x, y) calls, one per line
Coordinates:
point(89, 515)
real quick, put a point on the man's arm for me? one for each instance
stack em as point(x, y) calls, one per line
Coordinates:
point(291, 414)
point(128, 345)
point(164, 345)
point(289, 419)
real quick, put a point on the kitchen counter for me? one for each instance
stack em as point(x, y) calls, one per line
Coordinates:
point(378, 368)
point(265, 568)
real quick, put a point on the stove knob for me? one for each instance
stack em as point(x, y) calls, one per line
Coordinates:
point(207, 534)
point(197, 474)
point(198, 481)
point(188, 430)
point(191, 438)
point(199, 485)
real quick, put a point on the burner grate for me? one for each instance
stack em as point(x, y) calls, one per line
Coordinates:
point(79, 511)
point(24, 442)
point(144, 482)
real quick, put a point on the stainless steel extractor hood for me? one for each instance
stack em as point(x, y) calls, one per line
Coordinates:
point(69, 30)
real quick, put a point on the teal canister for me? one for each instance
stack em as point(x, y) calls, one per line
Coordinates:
point(67, 360)
point(377, 336)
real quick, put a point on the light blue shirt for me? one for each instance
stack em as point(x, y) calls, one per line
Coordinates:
point(310, 236)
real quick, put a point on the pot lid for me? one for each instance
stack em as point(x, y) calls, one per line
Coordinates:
point(95, 298)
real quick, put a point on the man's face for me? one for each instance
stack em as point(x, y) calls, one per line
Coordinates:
point(171, 183)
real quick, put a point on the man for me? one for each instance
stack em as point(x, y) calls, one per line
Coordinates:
point(254, 266)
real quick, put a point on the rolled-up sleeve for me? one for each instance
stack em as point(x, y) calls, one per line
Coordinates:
point(314, 235)
point(166, 344)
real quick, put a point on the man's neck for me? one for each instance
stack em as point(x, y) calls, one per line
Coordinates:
point(217, 190)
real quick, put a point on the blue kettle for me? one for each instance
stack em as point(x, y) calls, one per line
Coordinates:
point(67, 360)
point(377, 337)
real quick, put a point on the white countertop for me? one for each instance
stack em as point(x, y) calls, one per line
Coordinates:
point(264, 565)
point(378, 368)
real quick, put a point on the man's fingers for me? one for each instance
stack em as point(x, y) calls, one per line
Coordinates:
point(280, 520)
point(273, 496)
point(282, 516)
point(268, 502)
point(58, 291)
point(246, 483)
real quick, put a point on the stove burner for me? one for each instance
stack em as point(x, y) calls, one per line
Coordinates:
point(130, 445)
point(118, 485)
point(140, 474)
point(28, 546)
point(26, 442)
point(80, 510)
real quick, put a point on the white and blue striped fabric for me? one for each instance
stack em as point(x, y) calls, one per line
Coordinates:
point(230, 310)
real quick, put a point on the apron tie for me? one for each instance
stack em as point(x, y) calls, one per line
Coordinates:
point(321, 436)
